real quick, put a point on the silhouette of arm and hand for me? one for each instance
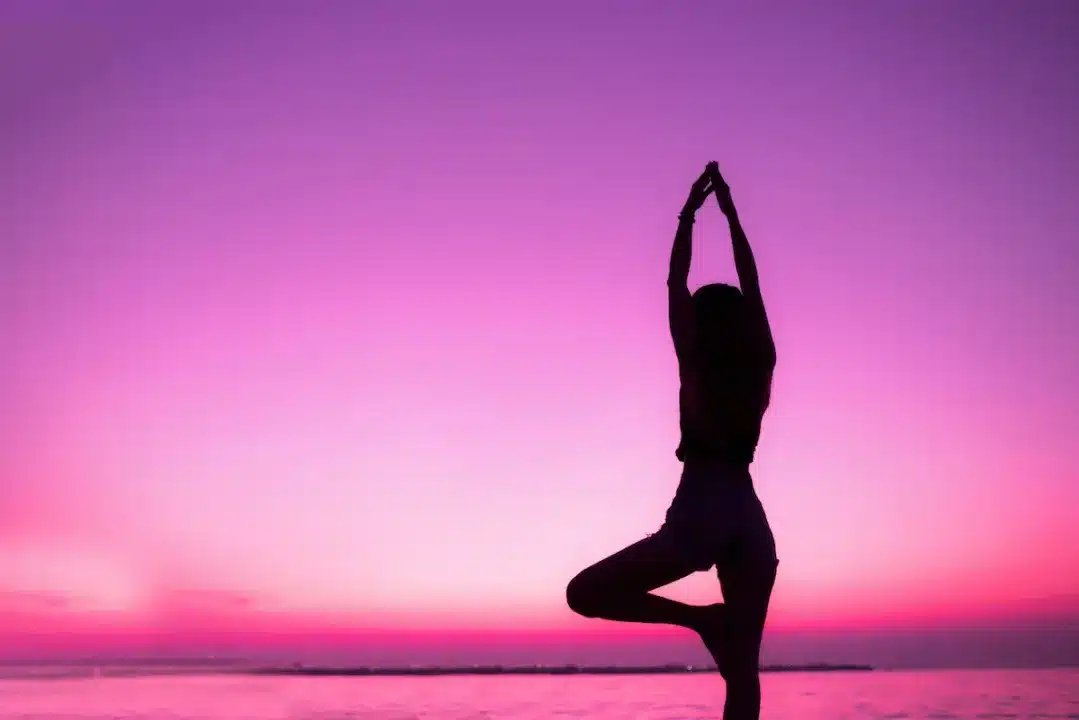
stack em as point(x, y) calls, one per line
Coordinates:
point(744, 263)
point(679, 302)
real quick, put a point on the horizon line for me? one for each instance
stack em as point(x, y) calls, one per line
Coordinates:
point(134, 667)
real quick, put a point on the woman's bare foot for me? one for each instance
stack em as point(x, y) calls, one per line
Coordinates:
point(709, 625)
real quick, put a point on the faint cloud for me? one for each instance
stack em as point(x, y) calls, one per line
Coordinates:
point(203, 601)
point(32, 567)
point(33, 602)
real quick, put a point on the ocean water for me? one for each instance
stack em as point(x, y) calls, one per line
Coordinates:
point(801, 696)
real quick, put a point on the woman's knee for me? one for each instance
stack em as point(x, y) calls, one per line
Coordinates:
point(584, 595)
point(740, 672)
point(739, 663)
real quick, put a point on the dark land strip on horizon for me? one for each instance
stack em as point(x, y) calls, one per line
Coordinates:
point(136, 668)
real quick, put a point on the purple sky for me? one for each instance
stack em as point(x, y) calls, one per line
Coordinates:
point(357, 309)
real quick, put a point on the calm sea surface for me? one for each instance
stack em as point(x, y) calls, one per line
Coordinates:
point(1003, 694)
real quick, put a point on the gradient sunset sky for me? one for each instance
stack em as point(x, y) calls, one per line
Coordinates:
point(340, 327)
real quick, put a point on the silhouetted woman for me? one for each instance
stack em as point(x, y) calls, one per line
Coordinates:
point(725, 361)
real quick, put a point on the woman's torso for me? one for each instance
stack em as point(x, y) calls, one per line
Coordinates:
point(720, 411)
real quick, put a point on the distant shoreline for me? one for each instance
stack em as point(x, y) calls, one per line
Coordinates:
point(131, 669)
point(537, 670)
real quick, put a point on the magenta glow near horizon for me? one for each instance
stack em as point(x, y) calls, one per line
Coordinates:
point(351, 316)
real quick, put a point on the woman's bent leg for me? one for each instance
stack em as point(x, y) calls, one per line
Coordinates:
point(619, 587)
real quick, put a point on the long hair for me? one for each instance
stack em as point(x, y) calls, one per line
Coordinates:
point(734, 384)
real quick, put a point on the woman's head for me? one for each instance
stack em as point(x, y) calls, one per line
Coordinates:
point(718, 303)
point(719, 312)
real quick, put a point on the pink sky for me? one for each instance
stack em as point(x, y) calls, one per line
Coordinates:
point(347, 320)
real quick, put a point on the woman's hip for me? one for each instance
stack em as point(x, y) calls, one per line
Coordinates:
point(716, 512)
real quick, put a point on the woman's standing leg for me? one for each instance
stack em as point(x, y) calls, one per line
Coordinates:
point(747, 591)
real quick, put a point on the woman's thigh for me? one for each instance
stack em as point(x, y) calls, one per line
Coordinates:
point(641, 567)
